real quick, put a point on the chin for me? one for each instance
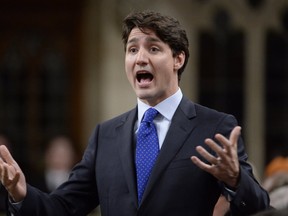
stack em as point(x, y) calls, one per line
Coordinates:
point(144, 94)
point(143, 97)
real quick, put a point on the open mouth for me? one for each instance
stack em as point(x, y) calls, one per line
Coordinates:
point(144, 77)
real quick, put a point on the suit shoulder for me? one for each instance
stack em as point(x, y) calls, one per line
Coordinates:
point(200, 109)
point(212, 114)
point(120, 119)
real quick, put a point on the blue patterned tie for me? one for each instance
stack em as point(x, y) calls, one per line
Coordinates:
point(147, 149)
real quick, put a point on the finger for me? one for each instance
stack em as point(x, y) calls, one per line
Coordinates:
point(201, 164)
point(5, 177)
point(204, 153)
point(235, 134)
point(1, 172)
point(1, 161)
point(6, 173)
point(215, 147)
point(231, 144)
point(226, 145)
point(232, 141)
point(5, 154)
point(2, 164)
point(15, 179)
point(10, 176)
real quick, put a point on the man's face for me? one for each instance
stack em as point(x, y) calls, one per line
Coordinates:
point(150, 66)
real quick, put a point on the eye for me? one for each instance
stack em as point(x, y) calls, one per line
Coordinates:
point(154, 49)
point(132, 50)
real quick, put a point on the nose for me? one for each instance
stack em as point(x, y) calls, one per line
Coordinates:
point(142, 57)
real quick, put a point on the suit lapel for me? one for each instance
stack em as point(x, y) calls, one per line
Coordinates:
point(181, 126)
point(125, 136)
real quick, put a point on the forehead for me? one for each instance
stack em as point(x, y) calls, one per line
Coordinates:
point(137, 34)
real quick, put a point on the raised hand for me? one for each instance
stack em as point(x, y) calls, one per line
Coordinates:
point(225, 166)
point(11, 176)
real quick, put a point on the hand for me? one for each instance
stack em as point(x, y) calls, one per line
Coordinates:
point(11, 176)
point(225, 167)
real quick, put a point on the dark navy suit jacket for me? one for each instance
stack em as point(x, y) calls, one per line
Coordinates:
point(177, 187)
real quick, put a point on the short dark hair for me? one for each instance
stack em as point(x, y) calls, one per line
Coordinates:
point(167, 28)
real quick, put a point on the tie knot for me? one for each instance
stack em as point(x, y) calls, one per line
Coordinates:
point(149, 115)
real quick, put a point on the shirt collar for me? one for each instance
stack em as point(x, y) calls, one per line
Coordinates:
point(166, 107)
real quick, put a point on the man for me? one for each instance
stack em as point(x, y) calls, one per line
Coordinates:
point(110, 173)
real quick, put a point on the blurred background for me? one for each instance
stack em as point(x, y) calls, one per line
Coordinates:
point(62, 70)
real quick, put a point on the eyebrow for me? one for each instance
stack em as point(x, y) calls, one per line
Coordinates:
point(148, 39)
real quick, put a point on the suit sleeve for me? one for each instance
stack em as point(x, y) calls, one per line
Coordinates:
point(250, 197)
point(78, 196)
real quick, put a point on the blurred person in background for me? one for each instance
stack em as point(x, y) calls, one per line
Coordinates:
point(276, 182)
point(273, 212)
point(59, 158)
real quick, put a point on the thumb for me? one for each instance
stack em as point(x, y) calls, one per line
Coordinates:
point(235, 134)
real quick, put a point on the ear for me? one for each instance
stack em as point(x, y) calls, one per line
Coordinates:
point(179, 61)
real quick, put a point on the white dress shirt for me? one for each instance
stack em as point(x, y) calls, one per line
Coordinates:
point(166, 109)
